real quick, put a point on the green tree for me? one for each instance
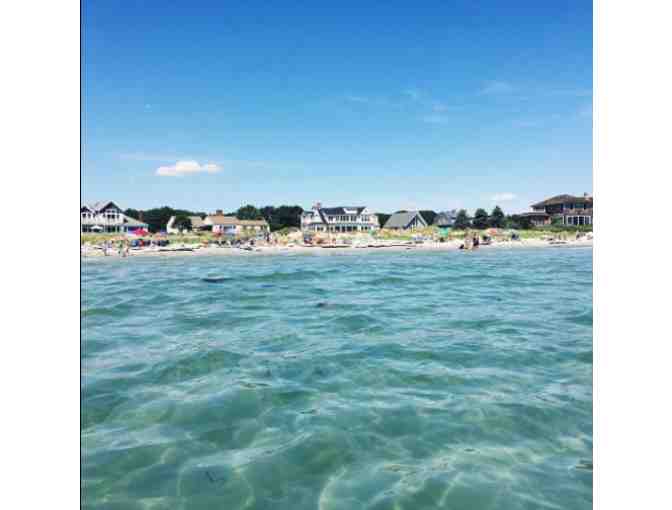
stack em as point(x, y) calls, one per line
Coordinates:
point(249, 212)
point(519, 222)
point(284, 216)
point(497, 218)
point(461, 220)
point(382, 219)
point(157, 218)
point(428, 216)
point(182, 222)
point(480, 219)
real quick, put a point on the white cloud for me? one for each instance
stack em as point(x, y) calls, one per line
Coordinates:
point(186, 167)
point(497, 87)
point(503, 197)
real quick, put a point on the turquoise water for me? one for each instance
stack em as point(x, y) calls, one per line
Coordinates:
point(406, 380)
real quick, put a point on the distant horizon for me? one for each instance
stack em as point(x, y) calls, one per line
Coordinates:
point(397, 107)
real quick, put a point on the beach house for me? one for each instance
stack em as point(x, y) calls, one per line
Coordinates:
point(338, 219)
point(232, 226)
point(106, 216)
point(563, 209)
point(406, 221)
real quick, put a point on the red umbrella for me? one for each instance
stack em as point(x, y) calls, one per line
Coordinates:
point(140, 232)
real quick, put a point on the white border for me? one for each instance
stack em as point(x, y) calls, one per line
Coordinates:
point(40, 269)
point(40, 260)
point(633, 256)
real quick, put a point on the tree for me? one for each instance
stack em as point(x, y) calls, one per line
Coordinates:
point(182, 222)
point(497, 218)
point(462, 220)
point(281, 217)
point(519, 222)
point(157, 218)
point(249, 212)
point(480, 219)
point(382, 219)
point(428, 216)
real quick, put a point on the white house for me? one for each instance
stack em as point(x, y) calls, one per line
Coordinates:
point(339, 219)
point(232, 226)
point(106, 216)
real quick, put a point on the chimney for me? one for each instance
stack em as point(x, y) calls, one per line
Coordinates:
point(317, 205)
point(219, 212)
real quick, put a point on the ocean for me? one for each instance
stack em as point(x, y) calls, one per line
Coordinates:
point(399, 380)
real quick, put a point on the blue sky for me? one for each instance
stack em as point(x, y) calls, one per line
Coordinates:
point(395, 105)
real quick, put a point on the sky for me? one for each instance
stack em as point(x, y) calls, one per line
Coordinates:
point(395, 105)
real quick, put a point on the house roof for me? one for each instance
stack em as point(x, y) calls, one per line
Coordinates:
point(132, 222)
point(196, 221)
point(401, 220)
point(562, 199)
point(218, 219)
point(322, 212)
point(340, 210)
point(100, 205)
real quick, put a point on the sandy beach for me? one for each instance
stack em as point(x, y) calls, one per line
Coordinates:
point(296, 249)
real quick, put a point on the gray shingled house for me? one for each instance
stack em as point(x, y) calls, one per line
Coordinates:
point(406, 221)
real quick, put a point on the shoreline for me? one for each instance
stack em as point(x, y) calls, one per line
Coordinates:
point(426, 247)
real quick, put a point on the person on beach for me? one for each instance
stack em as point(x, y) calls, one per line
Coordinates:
point(466, 245)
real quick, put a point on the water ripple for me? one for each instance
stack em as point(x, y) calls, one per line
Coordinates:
point(407, 380)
